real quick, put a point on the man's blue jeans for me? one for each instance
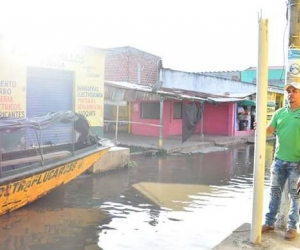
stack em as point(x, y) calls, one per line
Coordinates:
point(280, 172)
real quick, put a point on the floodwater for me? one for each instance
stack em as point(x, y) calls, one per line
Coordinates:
point(160, 202)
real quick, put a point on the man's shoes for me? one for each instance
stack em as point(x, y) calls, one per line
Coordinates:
point(290, 233)
point(267, 228)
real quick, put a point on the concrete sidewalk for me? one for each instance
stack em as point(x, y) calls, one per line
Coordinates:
point(174, 144)
point(240, 239)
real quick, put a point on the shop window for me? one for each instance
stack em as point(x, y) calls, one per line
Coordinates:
point(149, 110)
point(177, 110)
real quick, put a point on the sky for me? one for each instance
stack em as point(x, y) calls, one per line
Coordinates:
point(189, 35)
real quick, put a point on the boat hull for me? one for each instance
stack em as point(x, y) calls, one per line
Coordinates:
point(24, 188)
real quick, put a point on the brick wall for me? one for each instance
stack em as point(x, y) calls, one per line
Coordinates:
point(131, 65)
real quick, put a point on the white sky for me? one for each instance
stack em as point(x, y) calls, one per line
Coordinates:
point(189, 35)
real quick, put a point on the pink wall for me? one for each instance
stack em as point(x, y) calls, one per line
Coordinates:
point(220, 120)
point(171, 126)
point(175, 125)
point(217, 120)
point(140, 127)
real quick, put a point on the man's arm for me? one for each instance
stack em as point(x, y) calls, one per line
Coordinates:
point(270, 130)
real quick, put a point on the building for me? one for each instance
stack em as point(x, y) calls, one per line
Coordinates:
point(38, 79)
point(127, 64)
point(276, 81)
point(142, 95)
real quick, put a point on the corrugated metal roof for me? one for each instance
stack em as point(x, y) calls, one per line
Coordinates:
point(141, 92)
point(270, 67)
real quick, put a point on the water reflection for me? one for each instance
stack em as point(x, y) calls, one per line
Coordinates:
point(171, 196)
point(49, 228)
point(167, 202)
point(193, 202)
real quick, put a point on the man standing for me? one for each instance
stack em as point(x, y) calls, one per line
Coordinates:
point(285, 166)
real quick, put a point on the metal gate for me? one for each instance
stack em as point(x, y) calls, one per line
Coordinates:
point(49, 90)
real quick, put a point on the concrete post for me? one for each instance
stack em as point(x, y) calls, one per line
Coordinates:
point(260, 132)
point(129, 117)
point(117, 123)
point(201, 125)
point(161, 116)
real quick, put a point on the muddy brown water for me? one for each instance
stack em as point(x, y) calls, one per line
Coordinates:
point(159, 202)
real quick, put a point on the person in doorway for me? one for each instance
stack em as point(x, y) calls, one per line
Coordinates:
point(253, 114)
point(285, 123)
point(247, 118)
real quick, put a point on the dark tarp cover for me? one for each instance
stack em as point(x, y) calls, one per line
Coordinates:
point(38, 122)
point(81, 125)
point(191, 115)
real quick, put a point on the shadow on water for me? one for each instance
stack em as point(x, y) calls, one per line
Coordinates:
point(165, 202)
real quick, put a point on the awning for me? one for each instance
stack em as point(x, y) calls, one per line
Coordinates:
point(271, 104)
point(247, 103)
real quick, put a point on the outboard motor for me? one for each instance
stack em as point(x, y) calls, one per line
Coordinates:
point(86, 138)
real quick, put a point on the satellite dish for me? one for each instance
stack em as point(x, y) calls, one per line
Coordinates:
point(157, 86)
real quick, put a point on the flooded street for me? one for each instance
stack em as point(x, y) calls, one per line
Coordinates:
point(161, 202)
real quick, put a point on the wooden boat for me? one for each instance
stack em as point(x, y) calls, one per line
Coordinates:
point(30, 173)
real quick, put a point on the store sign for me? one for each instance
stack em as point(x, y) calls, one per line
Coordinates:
point(294, 62)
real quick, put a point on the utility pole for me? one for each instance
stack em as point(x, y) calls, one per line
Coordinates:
point(293, 15)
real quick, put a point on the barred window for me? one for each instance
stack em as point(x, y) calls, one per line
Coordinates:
point(177, 110)
point(149, 110)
